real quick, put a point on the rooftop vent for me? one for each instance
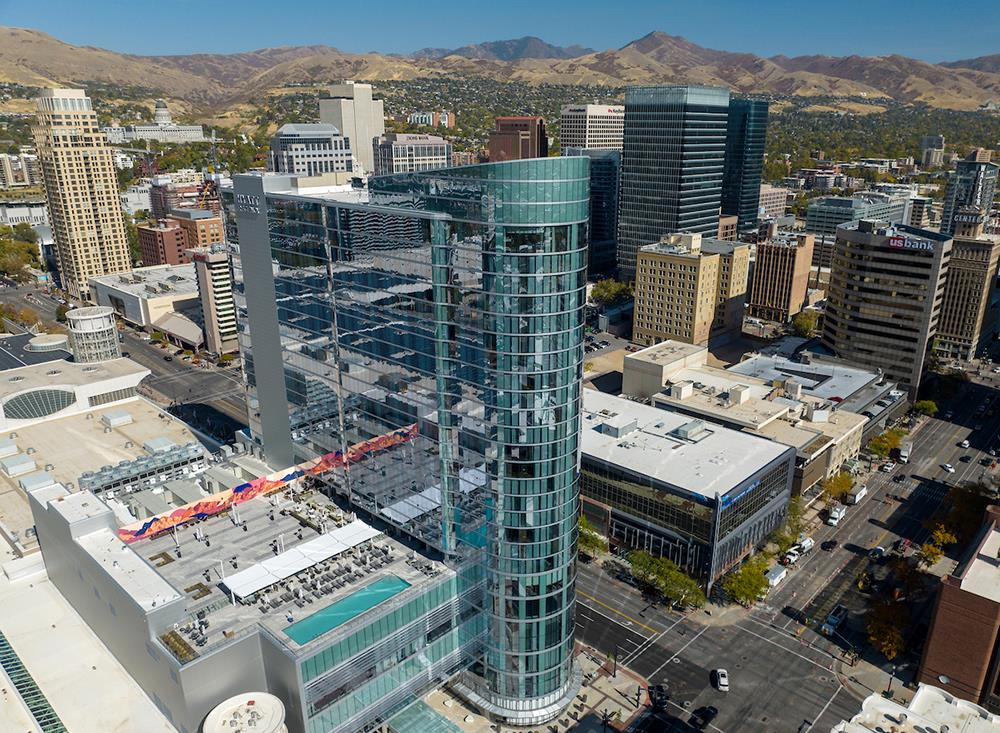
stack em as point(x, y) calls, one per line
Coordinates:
point(693, 430)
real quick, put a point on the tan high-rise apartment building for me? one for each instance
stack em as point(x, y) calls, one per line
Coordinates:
point(781, 277)
point(81, 187)
point(965, 318)
point(689, 289)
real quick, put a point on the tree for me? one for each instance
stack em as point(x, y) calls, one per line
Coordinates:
point(926, 407)
point(132, 236)
point(27, 317)
point(590, 540)
point(884, 444)
point(942, 536)
point(610, 292)
point(665, 577)
point(885, 623)
point(928, 555)
point(24, 233)
point(838, 486)
point(748, 583)
point(61, 312)
point(804, 323)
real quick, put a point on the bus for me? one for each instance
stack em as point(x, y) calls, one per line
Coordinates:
point(904, 451)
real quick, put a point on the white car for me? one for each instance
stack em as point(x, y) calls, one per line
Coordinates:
point(948, 467)
point(722, 680)
point(888, 467)
point(964, 444)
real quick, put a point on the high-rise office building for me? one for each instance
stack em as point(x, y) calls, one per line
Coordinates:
point(746, 133)
point(447, 308)
point(187, 189)
point(215, 290)
point(690, 289)
point(773, 201)
point(351, 108)
point(965, 319)
point(310, 150)
point(517, 138)
point(824, 215)
point(605, 174)
point(592, 126)
point(673, 157)
point(81, 187)
point(972, 183)
point(780, 277)
point(406, 153)
point(932, 151)
point(884, 298)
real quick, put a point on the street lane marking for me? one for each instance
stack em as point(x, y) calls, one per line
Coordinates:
point(651, 642)
point(840, 686)
point(783, 648)
point(615, 610)
point(691, 641)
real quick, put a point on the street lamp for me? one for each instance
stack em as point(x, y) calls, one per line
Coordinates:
point(892, 672)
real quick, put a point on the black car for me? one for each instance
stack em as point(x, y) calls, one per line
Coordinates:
point(830, 545)
point(168, 358)
point(702, 717)
point(965, 459)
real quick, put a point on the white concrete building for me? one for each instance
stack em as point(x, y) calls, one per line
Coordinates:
point(163, 129)
point(310, 150)
point(592, 126)
point(23, 212)
point(135, 198)
point(351, 109)
point(145, 295)
point(931, 709)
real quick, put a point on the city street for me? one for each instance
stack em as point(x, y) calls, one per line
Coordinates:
point(782, 672)
point(210, 398)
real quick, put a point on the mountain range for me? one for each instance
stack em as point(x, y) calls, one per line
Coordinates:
point(208, 80)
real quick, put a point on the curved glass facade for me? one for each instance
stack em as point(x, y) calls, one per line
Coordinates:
point(449, 305)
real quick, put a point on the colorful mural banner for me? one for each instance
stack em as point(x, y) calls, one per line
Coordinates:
point(262, 486)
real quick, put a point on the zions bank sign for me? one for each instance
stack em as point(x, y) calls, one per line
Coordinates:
point(899, 242)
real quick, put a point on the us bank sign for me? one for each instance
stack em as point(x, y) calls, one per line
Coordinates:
point(900, 242)
point(247, 204)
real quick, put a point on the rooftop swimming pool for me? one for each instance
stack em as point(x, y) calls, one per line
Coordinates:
point(347, 608)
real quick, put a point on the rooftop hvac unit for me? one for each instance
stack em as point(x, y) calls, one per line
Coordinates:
point(13, 436)
point(30, 451)
point(107, 430)
point(90, 416)
point(49, 467)
point(129, 444)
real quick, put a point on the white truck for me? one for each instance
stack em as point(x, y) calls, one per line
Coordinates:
point(835, 514)
point(856, 494)
point(904, 451)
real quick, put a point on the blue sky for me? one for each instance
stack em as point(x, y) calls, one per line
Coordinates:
point(934, 31)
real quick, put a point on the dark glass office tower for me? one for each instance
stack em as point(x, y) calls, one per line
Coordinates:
point(443, 309)
point(672, 164)
point(605, 176)
point(973, 183)
point(746, 134)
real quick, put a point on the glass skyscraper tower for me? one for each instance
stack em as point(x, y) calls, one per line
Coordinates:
point(445, 306)
point(672, 164)
point(972, 183)
point(746, 136)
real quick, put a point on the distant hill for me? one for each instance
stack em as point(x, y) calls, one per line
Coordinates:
point(208, 81)
point(990, 64)
point(528, 47)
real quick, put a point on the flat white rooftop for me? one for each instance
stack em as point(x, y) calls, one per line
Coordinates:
point(825, 380)
point(711, 464)
point(68, 374)
point(156, 281)
point(930, 709)
point(86, 686)
point(982, 576)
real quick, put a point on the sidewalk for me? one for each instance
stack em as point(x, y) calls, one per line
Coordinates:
point(865, 678)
